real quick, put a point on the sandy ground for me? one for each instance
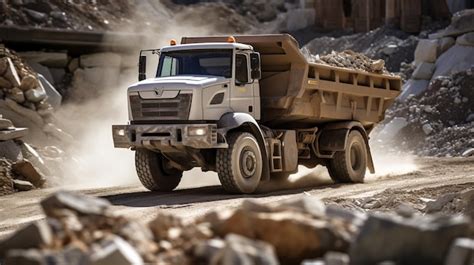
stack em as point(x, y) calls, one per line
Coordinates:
point(430, 174)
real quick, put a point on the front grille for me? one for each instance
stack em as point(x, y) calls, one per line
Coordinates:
point(161, 109)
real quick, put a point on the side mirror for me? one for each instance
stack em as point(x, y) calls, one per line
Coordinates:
point(256, 72)
point(142, 68)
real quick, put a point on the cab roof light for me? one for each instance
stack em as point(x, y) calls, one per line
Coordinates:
point(173, 42)
point(231, 39)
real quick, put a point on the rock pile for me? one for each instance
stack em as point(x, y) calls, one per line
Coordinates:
point(17, 173)
point(24, 100)
point(353, 60)
point(82, 230)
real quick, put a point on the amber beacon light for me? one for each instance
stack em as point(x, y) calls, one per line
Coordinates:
point(172, 42)
point(231, 39)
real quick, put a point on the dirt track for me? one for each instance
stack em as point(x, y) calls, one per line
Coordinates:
point(21, 208)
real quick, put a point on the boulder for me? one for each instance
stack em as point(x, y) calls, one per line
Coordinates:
point(115, 251)
point(29, 153)
point(461, 22)
point(413, 87)
point(106, 59)
point(23, 185)
point(22, 111)
point(41, 70)
point(16, 95)
point(25, 169)
point(10, 150)
point(468, 152)
point(54, 97)
point(466, 39)
point(6, 178)
point(424, 71)
point(205, 251)
point(5, 124)
point(445, 43)
point(34, 235)
point(457, 58)
point(461, 252)
point(49, 59)
point(11, 74)
point(4, 83)
point(36, 95)
point(426, 51)
point(81, 204)
point(25, 257)
point(406, 240)
point(28, 82)
point(304, 236)
point(239, 250)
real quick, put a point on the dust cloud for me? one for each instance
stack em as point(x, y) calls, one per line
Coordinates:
point(93, 161)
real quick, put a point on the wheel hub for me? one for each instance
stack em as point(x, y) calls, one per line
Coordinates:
point(248, 163)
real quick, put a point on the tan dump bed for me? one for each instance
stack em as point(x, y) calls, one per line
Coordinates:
point(304, 94)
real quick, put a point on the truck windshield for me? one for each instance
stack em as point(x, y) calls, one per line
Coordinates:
point(196, 62)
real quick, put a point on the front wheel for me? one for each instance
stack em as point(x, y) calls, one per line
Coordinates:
point(349, 166)
point(239, 167)
point(154, 171)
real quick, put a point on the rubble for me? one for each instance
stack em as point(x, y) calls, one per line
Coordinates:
point(351, 59)
point(301, 231)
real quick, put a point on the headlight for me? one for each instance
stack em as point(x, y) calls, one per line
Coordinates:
point(197, 131)
point(120, 132)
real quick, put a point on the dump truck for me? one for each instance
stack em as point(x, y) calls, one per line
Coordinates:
point(251, 108)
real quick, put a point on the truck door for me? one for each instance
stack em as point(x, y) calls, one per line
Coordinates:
point(242, 94)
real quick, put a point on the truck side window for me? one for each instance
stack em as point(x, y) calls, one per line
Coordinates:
point(169, 66)
point(241, 70)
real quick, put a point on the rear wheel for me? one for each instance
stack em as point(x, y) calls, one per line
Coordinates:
point(350, 165)
point(154, 171)
point(240, 166)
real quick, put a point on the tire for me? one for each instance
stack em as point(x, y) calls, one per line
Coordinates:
point(153, 172)
point(349, 166)
point(235, 175)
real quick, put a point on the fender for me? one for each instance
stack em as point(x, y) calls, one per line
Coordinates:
point(234, 120)
point(333, 137)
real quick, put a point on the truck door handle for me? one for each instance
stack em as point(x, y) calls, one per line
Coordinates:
point(250, 108)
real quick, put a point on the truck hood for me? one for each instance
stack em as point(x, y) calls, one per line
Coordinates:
point(184, 82)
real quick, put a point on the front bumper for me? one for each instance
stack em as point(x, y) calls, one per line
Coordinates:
point(163, 136)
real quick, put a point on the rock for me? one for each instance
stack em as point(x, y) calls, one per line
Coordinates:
point(445, 43)
point(413, 87)
point(408, 241)
point(61, 16)
point(426, 51)
point(55, 132)
point(458, 58)
point(29, 172)
point(3, 65)
point(10, 150)
point(33, 156)
point(468, 152)
point(337, 212)
point(24, 112)
point(11, 74)
point(54, 97)
point(306, 204)
point(336, 258)
point(466, 39)
point(390, 49)
point(461, 22)
point(162, 223)
point(6, 178)
point(140, 237)
point(377, 65)
point(41, 70)
point(427, 129)
point(49, 59)
point(115, 251)
point(34, 235)
point(25, 257)
point(438, 204)
point(36, 95)
point(106, 59)
point(4, 83)
point(461, 252)
point(5, 124)
point(23, 185)
point(240, 251)
point(304, 237)
point(81, 204)
point(74, 65)
point(207, 250)
point(424, 71)
point(16, 95)
point(35, 15)
point(28, 82)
